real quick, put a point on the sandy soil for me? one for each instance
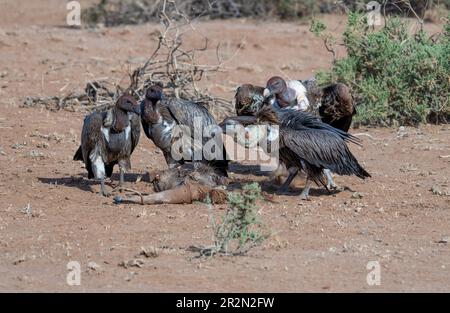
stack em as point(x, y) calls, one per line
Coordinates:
point(319, 245)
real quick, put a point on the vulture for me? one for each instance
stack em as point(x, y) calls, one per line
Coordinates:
point(109, 138)
point(336, 106)
point(291, 94)
point(248, 99)
point(161, 115)
point(333, 103)
point(308, 144)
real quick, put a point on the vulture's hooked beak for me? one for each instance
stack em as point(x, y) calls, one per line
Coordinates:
point(267, 93)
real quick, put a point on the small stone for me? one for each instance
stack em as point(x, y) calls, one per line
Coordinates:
point(28, 210)
point(43, 145)
point(35, 154)
point(130, 276)
point(444, 239)
point(150, 252)
point(436, 190)
point(132, 263)
point(93, 266)
point(20, 260)
point(18, 145)
point(357, 195)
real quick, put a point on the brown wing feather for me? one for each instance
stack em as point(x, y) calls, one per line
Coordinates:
point(322, 149)
point(135, 131)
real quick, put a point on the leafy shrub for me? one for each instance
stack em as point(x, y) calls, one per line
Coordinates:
point(117, 12)
point(396, 77)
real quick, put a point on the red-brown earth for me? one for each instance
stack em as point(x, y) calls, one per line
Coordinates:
point(400, 217)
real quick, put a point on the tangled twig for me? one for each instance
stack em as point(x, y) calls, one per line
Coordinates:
point(176, 67)
point(171, 64)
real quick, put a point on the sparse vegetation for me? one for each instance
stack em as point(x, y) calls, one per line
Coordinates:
point(117, 12)
point(397, 77)
point(239, 229)
point(172, 63)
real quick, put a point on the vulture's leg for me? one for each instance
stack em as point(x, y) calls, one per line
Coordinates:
point(98, 167)
point(293, 171)
point(305, 193)
point(330, 182)
point(122, 177)
point(103, 191)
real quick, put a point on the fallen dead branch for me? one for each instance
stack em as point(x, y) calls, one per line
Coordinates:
point(97, 96)
point(176, 67)
point(171, 64)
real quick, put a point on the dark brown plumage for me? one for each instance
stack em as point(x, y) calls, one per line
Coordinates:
point(311, 145)
point(248, 99)
point(334, 103)
point(336, 106)
point(103, 147)
point(161, 115)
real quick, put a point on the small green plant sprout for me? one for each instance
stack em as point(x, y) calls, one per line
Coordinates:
point(317, 27)
point(239, 229)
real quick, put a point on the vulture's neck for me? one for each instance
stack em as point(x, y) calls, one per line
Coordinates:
point(286, 98)
point(151, 113)
point(121, 120)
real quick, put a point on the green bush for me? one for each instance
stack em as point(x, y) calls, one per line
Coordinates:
point(239, 229)
point(397, 77)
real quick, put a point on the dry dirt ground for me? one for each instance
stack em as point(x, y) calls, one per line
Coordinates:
point(401, 217)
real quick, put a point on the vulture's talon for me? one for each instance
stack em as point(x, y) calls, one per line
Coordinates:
point(333, 186)
point(105, 193)
point(304, 197)
point(117, 200)
point(283, 189)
